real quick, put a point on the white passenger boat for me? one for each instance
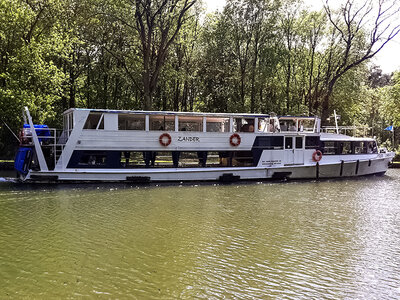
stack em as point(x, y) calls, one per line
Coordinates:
point(144, 146)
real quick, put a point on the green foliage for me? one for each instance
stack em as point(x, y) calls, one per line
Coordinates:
point(391, 104)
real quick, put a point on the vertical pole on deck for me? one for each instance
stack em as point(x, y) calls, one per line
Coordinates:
point(147, 123)
point(68, 125)
point(176, 124)
point(337, 127)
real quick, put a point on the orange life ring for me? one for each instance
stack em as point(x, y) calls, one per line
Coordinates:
point(235, 140)
point(317, 156)
point(165, 139)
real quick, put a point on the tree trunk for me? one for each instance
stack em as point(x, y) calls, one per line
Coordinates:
point(72, 82)
point(105, 90)
point(147, 91)
point(325, 109)
point(253, 79)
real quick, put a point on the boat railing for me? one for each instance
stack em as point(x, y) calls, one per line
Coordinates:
point(356, 131)
point(49, 138)
point(301, 129)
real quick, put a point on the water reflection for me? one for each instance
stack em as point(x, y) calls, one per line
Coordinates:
point(328, 239)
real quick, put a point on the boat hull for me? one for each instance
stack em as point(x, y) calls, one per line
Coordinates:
point(340, 169)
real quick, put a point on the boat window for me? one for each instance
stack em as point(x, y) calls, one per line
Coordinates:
point(243, 125)
point(299, 142)
point(186, 159)
point(263, 124)
point(68, 122)
point(312, 142)
point(131, 122)
point(360, 147)
point(162, 123)
point(266, 125)
point(288, 125)
point(217, 124)
point(93, 120)
point(242, 159)
point(71, 122)
point(161, 159)
point(269, 142)
point(190, 123)
point(306, 125)
point(345, 148)
point(98, 159)
point(329, 147)
point(372, 148)
point(288, 142)
point(95, 159)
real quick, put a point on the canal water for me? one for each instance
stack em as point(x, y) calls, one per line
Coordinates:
point(288, 240)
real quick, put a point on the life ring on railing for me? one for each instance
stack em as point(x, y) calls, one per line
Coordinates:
point(235, 140)
point(317, 156)
point(165, 139)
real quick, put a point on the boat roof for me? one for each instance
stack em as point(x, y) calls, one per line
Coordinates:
point(341, 137)
point(194, 114)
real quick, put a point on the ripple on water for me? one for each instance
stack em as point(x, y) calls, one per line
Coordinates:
point(327, 239)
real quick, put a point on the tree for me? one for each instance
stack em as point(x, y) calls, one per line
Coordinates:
point(158, 23)
point(32, 43)
point(357, 36)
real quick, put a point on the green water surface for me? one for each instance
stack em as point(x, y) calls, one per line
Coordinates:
point(287, 240)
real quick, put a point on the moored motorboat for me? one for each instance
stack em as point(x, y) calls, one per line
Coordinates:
point(156, 146)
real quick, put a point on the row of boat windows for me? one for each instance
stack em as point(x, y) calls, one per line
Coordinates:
point(194, 123)
point(348, 147)
point(129, 159)
point(288, 142)
point(135, 159)
point(313, 142)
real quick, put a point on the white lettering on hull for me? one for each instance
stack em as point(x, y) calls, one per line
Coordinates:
point(271, 162)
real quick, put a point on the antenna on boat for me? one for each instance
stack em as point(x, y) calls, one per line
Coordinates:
point(19, 141)
point(337, 127)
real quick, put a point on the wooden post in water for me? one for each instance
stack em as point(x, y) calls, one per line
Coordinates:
point(317, 171)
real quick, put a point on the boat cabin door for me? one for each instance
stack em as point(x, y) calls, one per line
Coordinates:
point(294, 150)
